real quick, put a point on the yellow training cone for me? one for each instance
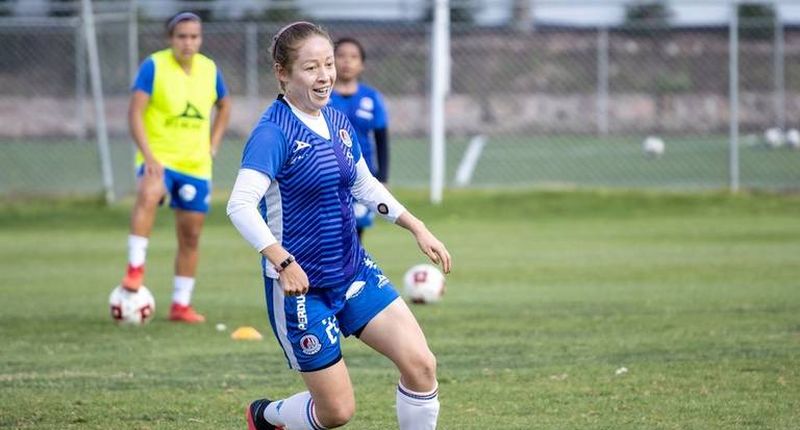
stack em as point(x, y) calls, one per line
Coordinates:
point(246, 333)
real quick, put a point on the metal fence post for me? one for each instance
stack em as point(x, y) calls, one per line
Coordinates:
point(251, 59)
point(80, 81)
point(780, 81)
point(99, 104)
point(733, 65)
point(602, 81)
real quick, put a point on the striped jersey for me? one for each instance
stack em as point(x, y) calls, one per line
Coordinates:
point(307, 206)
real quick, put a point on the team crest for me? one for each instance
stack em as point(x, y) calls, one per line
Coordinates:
point(345, 136)
point(310, 344)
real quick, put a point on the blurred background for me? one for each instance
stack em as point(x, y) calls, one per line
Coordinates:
point(540, 93)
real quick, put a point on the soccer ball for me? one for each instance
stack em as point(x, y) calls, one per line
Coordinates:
point(132, 307)
point(653, 146)
point(424, 283)
point(774, 137)
point(793, 138)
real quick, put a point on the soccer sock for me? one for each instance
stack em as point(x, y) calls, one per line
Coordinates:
point(182, 294)
point(417, 411)
point(137, 250)
point(294, 413)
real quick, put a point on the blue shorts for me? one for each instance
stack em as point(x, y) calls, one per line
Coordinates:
point(188, 193)
point(364, 215)
point(309, 327)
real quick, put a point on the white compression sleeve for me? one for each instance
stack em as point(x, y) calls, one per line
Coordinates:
point(250, 187)
point(368, 191)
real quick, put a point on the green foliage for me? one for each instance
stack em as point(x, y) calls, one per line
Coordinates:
point(461, 12)
point(647, 17)
point(757, 21)
point(64, 8)
point(551, 293)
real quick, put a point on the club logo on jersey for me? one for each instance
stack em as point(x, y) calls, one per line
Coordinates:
point(310, 344)
point(354, 290)
point(187, 192)
point(345, 136)
point(383, 209)
point(366, 103)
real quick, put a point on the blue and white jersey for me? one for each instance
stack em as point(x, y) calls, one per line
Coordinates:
point(308, 203)
point(367, 112)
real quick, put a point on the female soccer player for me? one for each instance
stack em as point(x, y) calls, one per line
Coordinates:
point(170, 120)
point(301, 168)
point(365, 109)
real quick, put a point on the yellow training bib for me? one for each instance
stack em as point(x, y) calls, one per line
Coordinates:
point(178, 118)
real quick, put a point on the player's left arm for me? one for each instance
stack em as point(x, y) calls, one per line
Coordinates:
point(371, 193)
point(381, 133)
point(223, 115)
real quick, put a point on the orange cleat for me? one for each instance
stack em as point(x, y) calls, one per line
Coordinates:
point(187, 314)
point(133, 278)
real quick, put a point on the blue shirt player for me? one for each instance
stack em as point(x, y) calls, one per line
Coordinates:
point(366, 110)
point(301, 170)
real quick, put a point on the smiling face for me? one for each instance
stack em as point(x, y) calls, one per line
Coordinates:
point(310, 77)
point(185, 40)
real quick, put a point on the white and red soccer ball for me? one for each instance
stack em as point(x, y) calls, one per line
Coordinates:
point(424, 283)
point(132, 307)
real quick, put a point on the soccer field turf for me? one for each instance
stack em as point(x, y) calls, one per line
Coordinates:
point(698, 296)
point(690, 162)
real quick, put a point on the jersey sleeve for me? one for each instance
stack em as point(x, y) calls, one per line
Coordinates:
point(145, 76)
point(265, 150)
point(222, 90)
point(381, 119)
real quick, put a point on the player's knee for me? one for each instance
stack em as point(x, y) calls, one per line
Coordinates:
point(190, 239)
point(150, 196)
point(336, 415)
point(421, 370)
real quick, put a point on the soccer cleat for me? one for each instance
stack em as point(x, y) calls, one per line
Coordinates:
point(187, 314)
point(255, 416)
point(133, 278)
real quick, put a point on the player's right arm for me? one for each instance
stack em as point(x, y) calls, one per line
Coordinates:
point(140, 97)
point(264, 154)
point(138, 103)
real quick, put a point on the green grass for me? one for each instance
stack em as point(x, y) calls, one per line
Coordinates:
point(690, 162)
point(697, 295)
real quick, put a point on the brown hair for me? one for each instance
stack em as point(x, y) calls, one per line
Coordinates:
point(178, 18)
point(287, 40)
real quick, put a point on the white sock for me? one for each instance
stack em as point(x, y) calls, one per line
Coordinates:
point(182, 294)
point(417, 411)
point(137, 250)
point(294, 413)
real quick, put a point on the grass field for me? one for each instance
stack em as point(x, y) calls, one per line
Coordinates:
point(690, 162)
point(698, 296)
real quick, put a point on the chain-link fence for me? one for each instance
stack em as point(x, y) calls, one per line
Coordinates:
point(534, 106)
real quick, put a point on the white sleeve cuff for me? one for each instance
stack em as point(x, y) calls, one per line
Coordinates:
point(249, 189)
point(371, 193)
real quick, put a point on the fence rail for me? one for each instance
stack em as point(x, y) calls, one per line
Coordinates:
point(556, 106)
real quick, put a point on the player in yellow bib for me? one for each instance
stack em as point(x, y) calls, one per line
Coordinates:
point(170, 118)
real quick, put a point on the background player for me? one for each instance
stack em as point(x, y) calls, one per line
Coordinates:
point(170, 120)
point(366, 111)
point(301, 168)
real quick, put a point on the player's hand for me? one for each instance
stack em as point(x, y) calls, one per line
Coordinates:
point(434, 249)
point(153, 168)
point(294, 280)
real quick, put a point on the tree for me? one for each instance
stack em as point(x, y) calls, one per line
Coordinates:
point(461, 12)
point(647, 17)
point(756, 21)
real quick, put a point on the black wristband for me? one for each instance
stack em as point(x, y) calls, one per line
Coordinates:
point(285, 263)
